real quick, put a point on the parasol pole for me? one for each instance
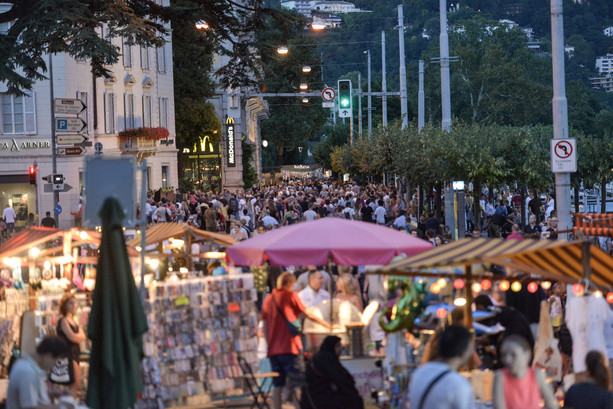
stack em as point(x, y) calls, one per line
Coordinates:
point(330, 263)
point(586, 261)
point(143, 227)
point(468, 313)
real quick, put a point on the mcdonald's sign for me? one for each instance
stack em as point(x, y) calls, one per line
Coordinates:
point(231, 153)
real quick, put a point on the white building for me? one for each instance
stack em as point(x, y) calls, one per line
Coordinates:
point(139, 94)
point(608, 31)
point(604, 65)
point(309, 7)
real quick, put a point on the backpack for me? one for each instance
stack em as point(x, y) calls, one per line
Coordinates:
point(347, 215)
point(233, 205)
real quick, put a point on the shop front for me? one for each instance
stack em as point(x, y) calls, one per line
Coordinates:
point(17, 192)
point(202, 164)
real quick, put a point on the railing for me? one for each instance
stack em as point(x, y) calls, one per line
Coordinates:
point(134, 144)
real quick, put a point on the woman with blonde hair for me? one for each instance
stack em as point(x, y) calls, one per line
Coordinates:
point(68, 328)
point(347, 290)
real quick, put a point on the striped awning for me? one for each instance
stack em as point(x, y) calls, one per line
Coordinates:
point(594, 224)
point(28, 238)
point(552, 259)
point(165, 231)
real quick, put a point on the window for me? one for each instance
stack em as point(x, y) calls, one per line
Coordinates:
point(18, 114)
point(128, 111)
point(161, 51)
point(127, 53)
point(164, 176)
point(147, 108)
point(106, 34)
point(109, 113)
point(144, 58)
point(85, 114)
point(164, 113)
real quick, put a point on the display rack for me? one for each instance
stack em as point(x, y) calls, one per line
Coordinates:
point(197, 329)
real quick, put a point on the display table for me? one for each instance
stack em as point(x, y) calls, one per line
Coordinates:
point(368, 376)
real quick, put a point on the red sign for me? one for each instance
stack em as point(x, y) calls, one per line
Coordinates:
point(71, 151)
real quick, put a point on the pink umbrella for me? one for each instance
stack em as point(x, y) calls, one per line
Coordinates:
point(346, 242)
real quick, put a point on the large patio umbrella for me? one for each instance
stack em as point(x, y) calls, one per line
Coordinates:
point(342, 241)
point(117, 321)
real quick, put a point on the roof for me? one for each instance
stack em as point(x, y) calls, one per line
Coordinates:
point(28, 238)
point(165, 231)
point(551, 259)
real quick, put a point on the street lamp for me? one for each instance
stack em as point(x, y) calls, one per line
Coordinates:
point(282, 50)
point(305, 100)
point(264, 143)
point(306, 69)
point(318, 25)
point(304, 86)
point(202, 25)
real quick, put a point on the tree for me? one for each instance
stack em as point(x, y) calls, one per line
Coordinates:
point(332, 136)
point(40, 27)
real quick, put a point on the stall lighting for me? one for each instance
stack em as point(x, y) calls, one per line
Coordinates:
point(578, 289)
point(152, 262)
point(459, 302)
point(533, 287)
point(546, 285)
point(504, 285)
point(12, 262)
point(214, 254)
point(441, 313)
point(486, 284)
point(34, 251)
point(138, 248)
point(176, 243)
point(458, 283)
point(598, 294)
point(183, 270)
point(610, 298)
point(47, 265)
point(442, 282)
point(516, 286)
point(476, 287)
point(83, 235)
point(386, 284)
point(435, 288)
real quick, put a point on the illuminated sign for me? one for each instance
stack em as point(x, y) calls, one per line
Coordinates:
point(15, 145)
point(230, 142)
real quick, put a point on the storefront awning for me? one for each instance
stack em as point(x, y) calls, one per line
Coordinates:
point(559, 260)
point(26, 239)
point(165, 231)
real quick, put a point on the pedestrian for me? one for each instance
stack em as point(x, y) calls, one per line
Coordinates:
point(68, 328)
point(48, 221)
point(28, 378)
point(9, 217)
point(437, 384)
point(281, 309)
point(518, 385)
point(595, 393)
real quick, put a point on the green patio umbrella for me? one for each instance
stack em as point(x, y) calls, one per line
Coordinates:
point(117, 321)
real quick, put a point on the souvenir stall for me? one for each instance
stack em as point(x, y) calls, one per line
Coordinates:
point(332, 241)
point(540, 262)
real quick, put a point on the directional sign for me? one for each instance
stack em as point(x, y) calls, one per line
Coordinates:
point(71, 139)
point(74, 151)
point(48, 188)
point(69, 124)
point(563, 155)
point(345, 113)
point(68, 106)
point(328, 94)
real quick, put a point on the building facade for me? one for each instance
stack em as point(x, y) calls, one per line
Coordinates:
point(138, 94)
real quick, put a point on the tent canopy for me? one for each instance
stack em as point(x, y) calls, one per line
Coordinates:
point(165, 231)
point(557, 260)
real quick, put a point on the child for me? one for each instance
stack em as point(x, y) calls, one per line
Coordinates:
point(518, 386)
point(596, 392)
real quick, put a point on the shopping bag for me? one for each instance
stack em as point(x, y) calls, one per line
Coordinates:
point(546, 352)
point(62, 372)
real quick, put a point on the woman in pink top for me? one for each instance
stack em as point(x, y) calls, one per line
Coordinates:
point(518, 386)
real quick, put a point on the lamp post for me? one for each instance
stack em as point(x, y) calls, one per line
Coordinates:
point(369, 96)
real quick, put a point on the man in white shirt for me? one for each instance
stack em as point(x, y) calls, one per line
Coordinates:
point(380, 213)
point(401, 220)
point(9, 217)
point(314, 293)
point(268, 220)
point(437, 384)
point(310, 214)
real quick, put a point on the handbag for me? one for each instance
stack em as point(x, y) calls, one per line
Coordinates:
point(295, 327)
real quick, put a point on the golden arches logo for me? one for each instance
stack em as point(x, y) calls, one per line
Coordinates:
point(229, 121)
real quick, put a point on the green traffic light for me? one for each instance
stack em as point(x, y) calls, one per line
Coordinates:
point(345, 102)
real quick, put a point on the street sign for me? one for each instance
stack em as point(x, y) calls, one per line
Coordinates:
point(68, 106)
point(58, 209)
point(69, 124)
point(71, 139)
point(563, 155)
point(327, 104)
point(48, 188)
point(74, 151)
point(345, 113)
point(328, 94)
point(98, 148)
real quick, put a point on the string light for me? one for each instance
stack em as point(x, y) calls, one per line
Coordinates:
point(533, 287)
point(578, 289)
point(458, 284)
point(442, 283)
point(486, 284)
point(610, 298)
point(476, 287)
point(504, 285)
point(459, 302)
point(435, 288)
point(441, 313)
point(516, 286)
point(546, 285)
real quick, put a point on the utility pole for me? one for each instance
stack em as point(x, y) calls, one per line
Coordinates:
point(444, 53)
point(369, 98)
point(560, 112)
point(383, 79)
point(403, 71)
point(56, 193)
point(359, 103)
point(421, 109)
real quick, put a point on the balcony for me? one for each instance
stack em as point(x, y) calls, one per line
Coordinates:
point(138, 145)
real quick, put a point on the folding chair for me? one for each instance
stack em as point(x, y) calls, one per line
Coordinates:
point(257, 383)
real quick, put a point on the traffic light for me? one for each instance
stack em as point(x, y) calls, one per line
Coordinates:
point(344, 94)
point(32, 172)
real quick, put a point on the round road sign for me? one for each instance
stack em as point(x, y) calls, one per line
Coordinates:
point(563, 149)
point(328, 94)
